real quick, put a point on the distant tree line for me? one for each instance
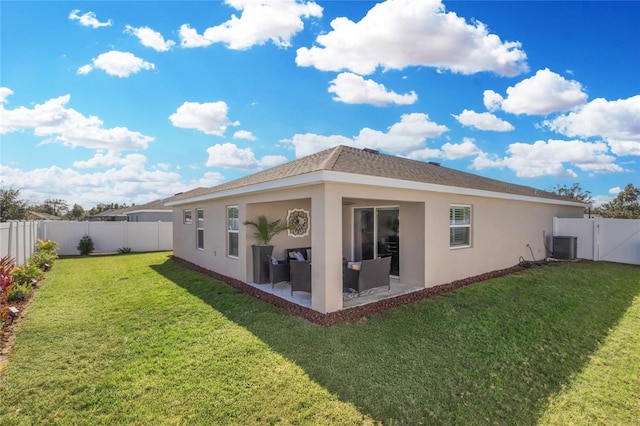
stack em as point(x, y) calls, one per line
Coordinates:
point(12, 207)
point(626, 205)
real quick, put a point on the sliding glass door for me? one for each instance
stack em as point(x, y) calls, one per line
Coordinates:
point(376, 234)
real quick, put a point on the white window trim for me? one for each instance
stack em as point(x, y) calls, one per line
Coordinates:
point(198, 229)
point(184, 217)
point(452, 206)
point(233, 231)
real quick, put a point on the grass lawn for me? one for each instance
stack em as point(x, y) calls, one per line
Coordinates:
point(138, 339)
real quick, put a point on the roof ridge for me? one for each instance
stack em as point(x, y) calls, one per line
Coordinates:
point(330, 161)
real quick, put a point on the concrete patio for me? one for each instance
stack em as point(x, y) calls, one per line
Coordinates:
point(349, 300)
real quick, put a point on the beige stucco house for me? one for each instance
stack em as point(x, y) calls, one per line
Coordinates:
point(438, 224)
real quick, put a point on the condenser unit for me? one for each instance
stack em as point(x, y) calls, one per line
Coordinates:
point(565, 248)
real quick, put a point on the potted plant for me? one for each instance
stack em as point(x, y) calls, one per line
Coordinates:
point(262, 251)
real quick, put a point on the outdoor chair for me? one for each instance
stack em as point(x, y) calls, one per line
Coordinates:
point(300, 275)
point(373, 273)
point(279, 272)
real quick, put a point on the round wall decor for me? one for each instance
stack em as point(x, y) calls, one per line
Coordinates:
point(298, 222)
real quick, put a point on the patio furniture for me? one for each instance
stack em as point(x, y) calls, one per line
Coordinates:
point(373, 273)
point(279, 272)
point(300, 275)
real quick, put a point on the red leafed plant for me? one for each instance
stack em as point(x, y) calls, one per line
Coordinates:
point(7, 265)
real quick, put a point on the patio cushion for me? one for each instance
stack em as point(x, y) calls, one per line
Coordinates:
point(290, 253)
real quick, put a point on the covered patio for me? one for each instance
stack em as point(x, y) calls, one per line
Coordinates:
point(349, 299)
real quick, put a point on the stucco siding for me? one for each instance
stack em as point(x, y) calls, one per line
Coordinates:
point(502, 230)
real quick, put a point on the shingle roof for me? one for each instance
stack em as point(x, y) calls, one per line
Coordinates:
point(371, 163)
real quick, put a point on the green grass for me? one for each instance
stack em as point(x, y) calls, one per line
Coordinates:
point(138, 339)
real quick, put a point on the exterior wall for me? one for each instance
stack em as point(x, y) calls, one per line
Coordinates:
point(214, 255)
point(501, 230)
point(500, 233)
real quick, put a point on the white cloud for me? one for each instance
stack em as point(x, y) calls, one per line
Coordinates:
point(189, 37)
point(209, 117)
point(483, 121)
point(467, 148)
point(88, 19)
point(492, 100)
point(120, 64)
point(410, 134)
point(542, 94)
point(229, 156)
point(549, 159)
point(111, 158)
point(244, 134)
point(615, 190)
point(396, 34)
point(309, 143)
point(130, 182)
point(616, 121)
point(425, 154)
point(261, 21)
point(271, 161)
point(353, 89)
point(5, 92)
point(52, 119)
point(150, 38)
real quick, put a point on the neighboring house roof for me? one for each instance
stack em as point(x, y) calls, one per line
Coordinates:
point(110, 213)
point(156, 206)
point(341, 163)
point(42, 216)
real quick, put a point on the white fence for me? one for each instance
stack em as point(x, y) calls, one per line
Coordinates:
point(18, 238)
point(614, 240)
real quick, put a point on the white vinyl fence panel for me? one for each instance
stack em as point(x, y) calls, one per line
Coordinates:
point(620, 240)
point(108, 237)
point(18, 239)
point(614, 240)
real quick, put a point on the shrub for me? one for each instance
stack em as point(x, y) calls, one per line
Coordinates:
point(85, 246)
point(42, 260)
point(47, 246)
point(18, 291)
point(27, 275)
point(125, 250)
point(7, 265)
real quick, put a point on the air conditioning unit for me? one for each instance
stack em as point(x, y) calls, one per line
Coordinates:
point(565, 248)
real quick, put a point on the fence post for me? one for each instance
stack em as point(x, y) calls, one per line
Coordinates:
point(596, 238)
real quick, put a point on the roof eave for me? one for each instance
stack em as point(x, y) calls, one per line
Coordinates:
point(323, 176)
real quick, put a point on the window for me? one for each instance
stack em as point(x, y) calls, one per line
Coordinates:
point(200, 229)
point(186, 217)
point(459, 226)
point(232, 231)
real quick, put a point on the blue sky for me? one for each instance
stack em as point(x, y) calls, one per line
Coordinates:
point(133, 101)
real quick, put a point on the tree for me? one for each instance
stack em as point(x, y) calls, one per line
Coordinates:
point(11, 207)
point(77, 212)
point(625, 206)
point(574, 191)
point(104, 207)
point(56, 207)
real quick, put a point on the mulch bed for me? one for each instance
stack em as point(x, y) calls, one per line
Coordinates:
point(350, 313)
point(8, 327)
